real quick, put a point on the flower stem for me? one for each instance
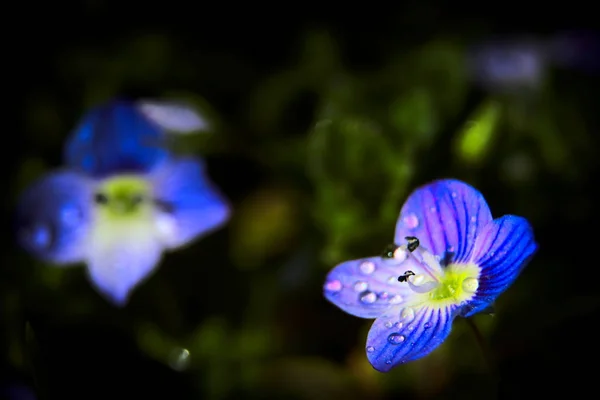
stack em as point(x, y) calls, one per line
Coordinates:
point(486, 352)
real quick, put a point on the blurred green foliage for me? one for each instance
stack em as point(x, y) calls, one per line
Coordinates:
point(220, 312)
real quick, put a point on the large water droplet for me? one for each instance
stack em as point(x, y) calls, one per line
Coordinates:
point(470, 285)
point(368, 297)
point(408, 314)
point(333, 286)
point(370, 349)
point(367, 267)
point(411, 221)
point(396, 338)
point(360, 286)
point(396, 299)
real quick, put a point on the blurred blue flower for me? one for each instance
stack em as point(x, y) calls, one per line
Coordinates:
point(454, 260)
point(121, 200)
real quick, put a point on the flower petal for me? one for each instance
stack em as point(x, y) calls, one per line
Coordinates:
point(115, 137)
point(406, 334)
point(502, 250)
point(366, 287)
point(53, 217)
point(172, 116)
point(189, 204)
point(121, 254)
point(445, 216)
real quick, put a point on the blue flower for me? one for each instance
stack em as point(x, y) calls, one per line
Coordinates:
point(451, 258)
point(120, 202)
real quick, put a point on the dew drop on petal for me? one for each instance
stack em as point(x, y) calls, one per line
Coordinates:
point(388, 362)
point(360, 286)
point(400, 255)
point(333, 286)
point(396, 338)
point(367, 267)
point(383, 295)
point(427, 325)
point(388, 324)
point(370, 349)
point(408, 314)
point(396, 299)
point(473, 219)
point(454, 194)
point(411, 221)
point(40, 237)
point(399, 325)
point(470, 285)
point(368, 297)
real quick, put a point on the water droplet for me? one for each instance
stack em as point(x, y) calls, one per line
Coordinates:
point(396, 338)
point(411, 221)
point(388, 362)
point(179, 359)
point(396, 299)
point(470, 285)
point(454, 194)
point(400, 255)
point(71, 216)
point(473, 219)
point(410, 328)
point(40, 237)
point(333, 286)
point(432, 209)
point(388, 324)
point(360, 286)
point(370, 349)
point(368, 297)
point(408, 314)
point(367, 267)
point(399, 325)
point(383, 295)
point(427, 325)
point(451, 249)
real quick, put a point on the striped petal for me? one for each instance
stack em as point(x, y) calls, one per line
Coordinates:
point(189, 205)
point(54, 217)
point(445, 216)
point(368, 287)
point(502, 250)
point(407, 334)
point(115, 137)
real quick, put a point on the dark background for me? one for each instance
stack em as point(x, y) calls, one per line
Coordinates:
point(246, 302)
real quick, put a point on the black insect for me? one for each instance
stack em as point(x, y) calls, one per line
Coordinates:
point(404, 276)
point(413, 243)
